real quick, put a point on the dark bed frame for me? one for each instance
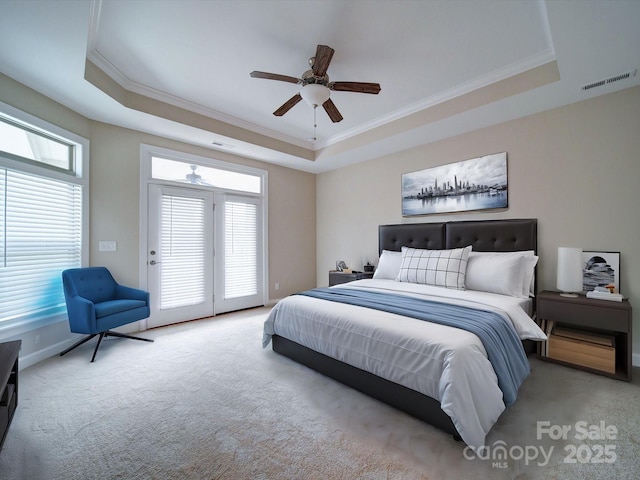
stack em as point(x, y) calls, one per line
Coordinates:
point(484, 236)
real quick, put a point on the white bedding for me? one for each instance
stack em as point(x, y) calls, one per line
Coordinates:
point(443, 362)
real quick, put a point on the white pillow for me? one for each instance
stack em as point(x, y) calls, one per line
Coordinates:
point(501, 274)
point(388, 265)
point(441, 268)
point(530, 262)
point(506, 273)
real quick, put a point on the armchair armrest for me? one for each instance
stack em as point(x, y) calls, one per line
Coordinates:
point(82, 315)
point(128, 293)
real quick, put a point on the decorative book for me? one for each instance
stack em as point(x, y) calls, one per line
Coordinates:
point(614, 297)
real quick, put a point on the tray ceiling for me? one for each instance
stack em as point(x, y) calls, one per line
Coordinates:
point(181, 68)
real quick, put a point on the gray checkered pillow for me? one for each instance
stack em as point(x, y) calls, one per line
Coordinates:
point(442, 268)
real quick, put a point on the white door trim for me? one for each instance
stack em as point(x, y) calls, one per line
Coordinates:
point(146, 152)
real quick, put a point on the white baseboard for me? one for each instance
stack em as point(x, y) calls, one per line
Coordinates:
point(56, 348)
point(43, 354)
point(272, 302)
point(635, 359)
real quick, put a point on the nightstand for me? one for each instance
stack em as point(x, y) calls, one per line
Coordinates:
point(585, 333)
point(336, 278)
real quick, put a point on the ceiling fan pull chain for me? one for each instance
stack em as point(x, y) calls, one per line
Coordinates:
point(315, 124)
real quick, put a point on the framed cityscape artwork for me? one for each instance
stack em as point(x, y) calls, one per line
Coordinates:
point(475, 184)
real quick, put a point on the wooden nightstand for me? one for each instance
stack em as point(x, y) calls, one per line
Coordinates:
point(589, 334)
point(336, 278)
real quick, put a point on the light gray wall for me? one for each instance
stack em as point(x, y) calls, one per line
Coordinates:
point(114, 209)
point(576, 169)
point(115, 194)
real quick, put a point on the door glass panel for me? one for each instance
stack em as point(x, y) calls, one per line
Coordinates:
point(183, 250)
point(241, 249)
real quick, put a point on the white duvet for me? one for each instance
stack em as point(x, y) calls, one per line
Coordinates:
point(445, 363)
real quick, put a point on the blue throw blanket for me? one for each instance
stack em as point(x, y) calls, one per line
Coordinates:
point(504, 348)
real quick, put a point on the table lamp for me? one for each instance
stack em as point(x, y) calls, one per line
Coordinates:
point(569, 278)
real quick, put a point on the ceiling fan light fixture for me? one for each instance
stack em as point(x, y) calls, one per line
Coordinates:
point(193, 177)
point(315, 94)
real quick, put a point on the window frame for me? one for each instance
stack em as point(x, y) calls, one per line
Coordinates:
point(79, 176)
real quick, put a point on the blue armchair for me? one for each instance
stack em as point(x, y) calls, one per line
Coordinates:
point(96, 303)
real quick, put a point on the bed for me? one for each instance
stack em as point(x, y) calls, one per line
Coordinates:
point(434, 371)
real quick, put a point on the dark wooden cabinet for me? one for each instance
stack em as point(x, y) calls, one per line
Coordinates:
point(587, 328)
point(336, 278)
point(8, 385)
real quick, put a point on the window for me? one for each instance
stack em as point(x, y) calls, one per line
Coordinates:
point(25, 143)
point(42, 207)
point(177, 171)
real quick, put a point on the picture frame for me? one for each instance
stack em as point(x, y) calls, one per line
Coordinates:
point(600, 269)
point(475, 184)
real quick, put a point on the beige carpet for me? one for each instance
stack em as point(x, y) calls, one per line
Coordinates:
point(205, 401)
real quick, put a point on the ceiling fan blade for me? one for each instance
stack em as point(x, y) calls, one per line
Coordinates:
point(288, 105)
point(332, 111)
point(360, 87)
point(275, 76)
point(322, 60)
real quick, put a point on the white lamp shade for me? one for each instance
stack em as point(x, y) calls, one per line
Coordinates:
point(569, 269)
point(315, 94)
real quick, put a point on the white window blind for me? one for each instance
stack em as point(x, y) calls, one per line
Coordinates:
point(40, 235)
point(240, 249)
point(182, 246)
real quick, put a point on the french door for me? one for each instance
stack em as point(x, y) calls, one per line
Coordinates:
point(204, 253)
point(180, 254)
point(239, 252)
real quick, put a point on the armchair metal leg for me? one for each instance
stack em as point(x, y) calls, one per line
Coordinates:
point(77, 344)
point(108, 333)
point(102, 335)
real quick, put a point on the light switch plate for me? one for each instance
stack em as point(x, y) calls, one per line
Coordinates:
point(107, 246)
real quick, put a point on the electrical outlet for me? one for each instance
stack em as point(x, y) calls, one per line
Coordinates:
point(107, 246)
point(277, 286)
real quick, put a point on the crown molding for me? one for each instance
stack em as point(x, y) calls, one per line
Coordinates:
point(495, 76)
point(521, 66)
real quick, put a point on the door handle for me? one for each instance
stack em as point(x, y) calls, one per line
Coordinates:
point(153, 262)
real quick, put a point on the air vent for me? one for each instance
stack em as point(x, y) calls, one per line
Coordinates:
point(218, 144)
point(607, 81)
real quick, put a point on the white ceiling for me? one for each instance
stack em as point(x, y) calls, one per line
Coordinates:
point(197, 55)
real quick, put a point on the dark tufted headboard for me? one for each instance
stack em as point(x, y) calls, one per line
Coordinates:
point(414, 235)
point(484, 235)
point(493, 235)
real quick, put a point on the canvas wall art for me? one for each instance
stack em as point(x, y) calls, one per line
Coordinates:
point(475, 184)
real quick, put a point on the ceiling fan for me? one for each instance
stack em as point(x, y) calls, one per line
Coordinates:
point(316, 87)
point(193, 177)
